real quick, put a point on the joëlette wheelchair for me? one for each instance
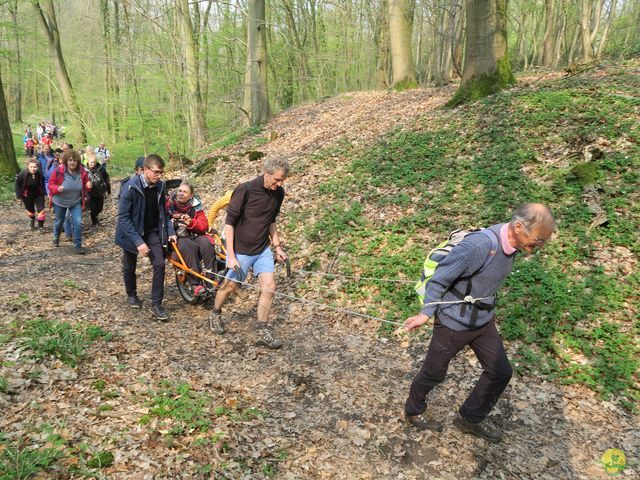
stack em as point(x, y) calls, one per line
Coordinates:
point(211, 276)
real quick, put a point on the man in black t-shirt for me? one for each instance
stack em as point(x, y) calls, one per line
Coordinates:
point(250, 224)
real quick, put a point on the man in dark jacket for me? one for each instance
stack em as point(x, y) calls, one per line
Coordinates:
point(143, 229)
point(465, 276)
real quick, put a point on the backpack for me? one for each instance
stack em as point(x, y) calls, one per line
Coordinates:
point(98, 185)
point(438, 254)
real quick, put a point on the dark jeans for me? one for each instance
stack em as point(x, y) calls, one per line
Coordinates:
point(194, 249)
point(156, 255)
point(486, 343)
point(96, 204)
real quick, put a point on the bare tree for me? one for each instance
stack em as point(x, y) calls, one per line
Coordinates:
point(197, 124)
point(256, 95)
point(47, 19)
point(549, 34)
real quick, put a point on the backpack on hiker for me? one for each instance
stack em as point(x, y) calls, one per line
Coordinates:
point(440, 252)
point(98, 184)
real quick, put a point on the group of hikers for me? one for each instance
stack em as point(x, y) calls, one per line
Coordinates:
point(46, 132)
point(71, 180)
point(458, 297)
point(149, 218)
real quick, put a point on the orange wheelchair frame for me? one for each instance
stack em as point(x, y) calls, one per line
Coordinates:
point(211, 285)
point(182, 271)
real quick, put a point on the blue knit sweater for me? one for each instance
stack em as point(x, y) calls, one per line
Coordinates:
point(459, 268)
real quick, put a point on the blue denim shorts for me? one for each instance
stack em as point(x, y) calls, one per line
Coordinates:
point(260, 263)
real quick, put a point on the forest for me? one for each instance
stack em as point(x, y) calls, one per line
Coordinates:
point(402, 121)
point(144, 74)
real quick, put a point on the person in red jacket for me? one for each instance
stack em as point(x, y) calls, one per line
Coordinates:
point(191, 226)
point(68, 187)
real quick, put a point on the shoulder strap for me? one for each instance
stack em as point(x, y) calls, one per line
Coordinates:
point(245, 199)
point(493, 237)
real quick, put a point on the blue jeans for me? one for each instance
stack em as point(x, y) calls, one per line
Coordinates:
point(67, 225)
point(76, 219)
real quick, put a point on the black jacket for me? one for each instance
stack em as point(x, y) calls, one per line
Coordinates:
point(130, 226)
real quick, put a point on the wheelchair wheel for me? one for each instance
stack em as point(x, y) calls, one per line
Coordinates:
point(185, 288)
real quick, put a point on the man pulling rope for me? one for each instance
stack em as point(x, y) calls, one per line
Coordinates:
point(459, 324)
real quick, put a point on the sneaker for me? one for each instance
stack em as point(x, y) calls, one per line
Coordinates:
point(265, 339)
point(41, 230)
point(159, 312)
point(423, 423)
point(135, 302)
point(56, 242)
point(198, 290)
point(80, 250)
point(68, 239)
point(477, 429)
point(215, 323)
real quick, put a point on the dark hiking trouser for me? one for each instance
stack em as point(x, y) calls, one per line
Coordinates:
point(194, 249)
point(156, 255)
point(486, 343)
point(96, 204)
point(34, 207)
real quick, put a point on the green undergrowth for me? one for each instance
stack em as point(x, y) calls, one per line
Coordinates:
point(572, 309)
point(43, 452)
point(44, 338)
point(180, 408)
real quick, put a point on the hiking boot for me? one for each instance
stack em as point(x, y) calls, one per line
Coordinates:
point(41, 229)
point(56, 242)
point(135, 302)
point(477, 429)
point(80, 250)
point(160, 313)
point(68, 239)
point(215, 323)
point(423, 423)
point(265, 339)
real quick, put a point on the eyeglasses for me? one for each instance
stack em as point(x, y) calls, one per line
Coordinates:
point(156, 172)
point(540, 242)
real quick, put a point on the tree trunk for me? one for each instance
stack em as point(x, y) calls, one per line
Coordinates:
point(382, 70)
point(549, 34)
point(50, 26)
point(486, 66)
point(256, 99)
point(197, 124)
point(18, 87)
point(400, 23)
point(574, 44)
point(605, 32)
point(585, 29)
point(8, 162)
point(134, 77)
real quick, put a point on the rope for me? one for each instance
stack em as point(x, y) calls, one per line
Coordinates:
point(358, 278)
point(347, 311)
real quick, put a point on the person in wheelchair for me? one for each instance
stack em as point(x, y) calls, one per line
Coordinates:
point(191, 226)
